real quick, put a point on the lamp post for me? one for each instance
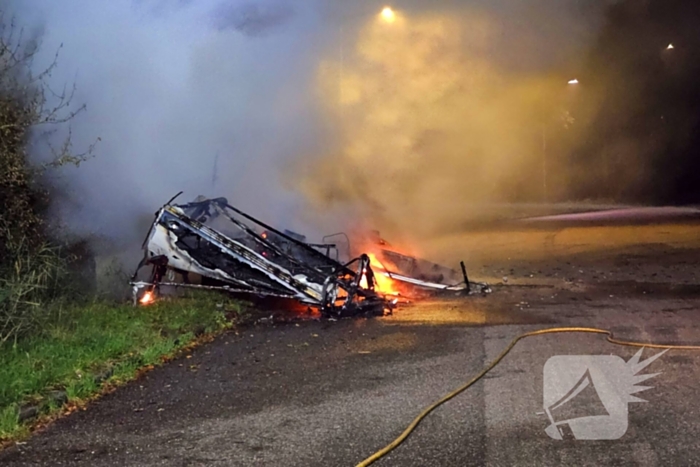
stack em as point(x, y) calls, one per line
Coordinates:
point(544, 162)
point(545, 197)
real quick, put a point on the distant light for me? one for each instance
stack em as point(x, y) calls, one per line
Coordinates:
point(573, 81)
point(670, 47)
point(388, 15)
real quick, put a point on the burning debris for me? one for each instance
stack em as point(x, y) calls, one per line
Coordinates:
point(210, 244)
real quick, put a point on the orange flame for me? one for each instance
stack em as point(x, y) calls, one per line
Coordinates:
point(147, 298)
point(384, 284)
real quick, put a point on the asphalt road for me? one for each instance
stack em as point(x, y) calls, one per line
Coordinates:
point(331, 393)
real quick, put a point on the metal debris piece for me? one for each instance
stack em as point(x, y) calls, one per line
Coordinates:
point(209, 244)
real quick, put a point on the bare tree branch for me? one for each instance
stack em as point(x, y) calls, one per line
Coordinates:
point(35, 118)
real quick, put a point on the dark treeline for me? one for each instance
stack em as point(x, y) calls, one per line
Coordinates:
point(641, 100)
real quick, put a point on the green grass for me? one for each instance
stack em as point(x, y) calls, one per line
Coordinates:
point(94, 339)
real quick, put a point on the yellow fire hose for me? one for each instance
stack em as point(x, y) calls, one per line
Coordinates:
point(406, 433)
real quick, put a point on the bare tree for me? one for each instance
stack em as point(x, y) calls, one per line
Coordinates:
point(33, 116)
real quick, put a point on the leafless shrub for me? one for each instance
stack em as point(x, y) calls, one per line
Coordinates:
point(31, 265)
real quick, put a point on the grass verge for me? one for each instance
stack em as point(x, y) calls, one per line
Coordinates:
point(91, 346)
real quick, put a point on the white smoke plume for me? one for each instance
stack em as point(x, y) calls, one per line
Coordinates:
point(232, 98)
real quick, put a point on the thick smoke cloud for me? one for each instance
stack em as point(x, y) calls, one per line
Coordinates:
point(183, 98)
point(240, 99)
point(439, 112)
point(251, 19)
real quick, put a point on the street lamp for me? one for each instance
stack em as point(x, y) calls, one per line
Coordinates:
point(388, 15)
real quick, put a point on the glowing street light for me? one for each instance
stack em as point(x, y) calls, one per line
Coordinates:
point(573, 81)
point(388, 14)
point(670, 47)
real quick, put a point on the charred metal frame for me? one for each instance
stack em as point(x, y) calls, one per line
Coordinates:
point(259, 260)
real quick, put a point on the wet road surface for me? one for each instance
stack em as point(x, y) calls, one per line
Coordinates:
point(331, 393)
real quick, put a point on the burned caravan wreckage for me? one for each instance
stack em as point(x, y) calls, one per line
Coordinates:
point(210, 244)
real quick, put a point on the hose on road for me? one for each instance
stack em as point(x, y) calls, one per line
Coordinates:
point(407, 432)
